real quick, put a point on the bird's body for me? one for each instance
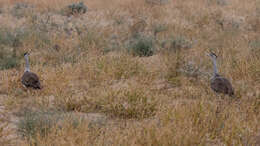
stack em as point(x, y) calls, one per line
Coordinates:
point(30, 79)
point(218, 83)
point(221, 85)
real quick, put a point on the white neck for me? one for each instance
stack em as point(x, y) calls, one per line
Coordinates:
point(27, 67)
point(214, 66)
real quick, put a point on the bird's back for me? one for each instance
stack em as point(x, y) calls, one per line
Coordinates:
point(30, 79)
point(222, 85)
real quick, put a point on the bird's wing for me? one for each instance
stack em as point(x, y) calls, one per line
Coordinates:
point(31, 80)
point(222, 85)
point(228, 86)
point(25, 79)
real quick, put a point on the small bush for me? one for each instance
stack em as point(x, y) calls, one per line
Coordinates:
point(12, 38)
point(7, 38)
point(9, 62)
point(34, 123)
point(76, 8)
point(21, 9)
point(142, 46)
point(40, 123)
point(8, 59)
point(130, 104)
point(157, 2)
point(218, 2)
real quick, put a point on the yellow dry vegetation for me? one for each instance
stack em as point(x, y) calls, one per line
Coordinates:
point(164, 99)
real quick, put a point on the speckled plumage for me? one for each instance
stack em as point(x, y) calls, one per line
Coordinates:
point(221, 85)
point(30, 79)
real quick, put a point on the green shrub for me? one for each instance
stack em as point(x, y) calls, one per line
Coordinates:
point(34, 123)
point(9, 62)
point(157, 2)
point(7, 38)
point(12, 38)
point(218, 2)
point(142, 46)
point(21, 9)
point(76, 8)
point(9, 59)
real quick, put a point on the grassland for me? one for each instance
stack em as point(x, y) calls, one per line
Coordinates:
point(130, 72)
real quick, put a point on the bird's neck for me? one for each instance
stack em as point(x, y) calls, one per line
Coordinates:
point(27, 66)
point(215, 69)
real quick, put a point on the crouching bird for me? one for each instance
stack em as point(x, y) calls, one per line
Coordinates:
point(30, 79)
point(218, 83)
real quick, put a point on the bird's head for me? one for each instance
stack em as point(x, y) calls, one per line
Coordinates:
point(212, 55)
point(26, 54)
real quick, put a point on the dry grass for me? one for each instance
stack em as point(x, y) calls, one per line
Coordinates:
point(161, 98)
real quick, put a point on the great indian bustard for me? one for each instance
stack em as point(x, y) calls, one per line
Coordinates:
point(218, 83)
point(30, 79)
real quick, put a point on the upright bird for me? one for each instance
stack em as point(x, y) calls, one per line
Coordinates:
point(30, 79)
point(218, 83)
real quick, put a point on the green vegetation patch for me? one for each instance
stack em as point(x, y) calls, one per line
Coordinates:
point(76, 8)
point(39, 123)
point(9, 59)
point(142, 46)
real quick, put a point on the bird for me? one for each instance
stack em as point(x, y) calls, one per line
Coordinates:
point(218, 83)
point(30, 79)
